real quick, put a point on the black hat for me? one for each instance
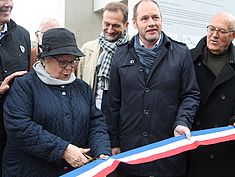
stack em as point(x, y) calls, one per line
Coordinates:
point(59, 41)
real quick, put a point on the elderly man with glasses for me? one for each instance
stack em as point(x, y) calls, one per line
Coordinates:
point(214, 61)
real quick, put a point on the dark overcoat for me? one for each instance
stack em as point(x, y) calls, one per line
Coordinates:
point(144, 110)
point(14, 56)
point(217, 109)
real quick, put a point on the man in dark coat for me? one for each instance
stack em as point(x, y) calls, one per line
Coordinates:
point(14, 56)
point(214, 58)
point(153, 93)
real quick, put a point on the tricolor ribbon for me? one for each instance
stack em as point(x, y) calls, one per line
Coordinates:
point(155, 151)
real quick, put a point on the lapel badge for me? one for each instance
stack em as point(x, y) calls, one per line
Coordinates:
point(22, 49)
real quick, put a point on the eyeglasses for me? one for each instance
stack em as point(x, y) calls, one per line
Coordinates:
point(212, 29)
point(64, 64)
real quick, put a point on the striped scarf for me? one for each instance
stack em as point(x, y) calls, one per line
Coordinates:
point(105, 58)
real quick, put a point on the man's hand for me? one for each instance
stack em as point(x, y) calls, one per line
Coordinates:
point(4, 87)
point(180, 129)
point(103, 156)
point(116, 151)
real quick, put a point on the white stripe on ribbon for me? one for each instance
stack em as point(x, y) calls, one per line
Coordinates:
point(155, 151)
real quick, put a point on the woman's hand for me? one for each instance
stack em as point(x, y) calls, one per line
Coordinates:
point(116, 151)
point(75, 156)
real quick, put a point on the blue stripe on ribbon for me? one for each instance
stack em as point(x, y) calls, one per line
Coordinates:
point(95, 163)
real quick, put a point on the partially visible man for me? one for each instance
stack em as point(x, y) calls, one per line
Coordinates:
point(94, 68)
point(153, 93)
point(44, 26)
point(214, 62)
point(14, 56)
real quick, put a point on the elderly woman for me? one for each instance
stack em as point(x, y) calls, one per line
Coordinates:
point(50, 116)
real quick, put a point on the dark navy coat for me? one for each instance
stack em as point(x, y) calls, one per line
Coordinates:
point(41, 120)
point(217, 109)
point(144, 110)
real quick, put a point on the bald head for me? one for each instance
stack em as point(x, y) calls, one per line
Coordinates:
point(48, 24)
point(224, 18)
point(44, 26)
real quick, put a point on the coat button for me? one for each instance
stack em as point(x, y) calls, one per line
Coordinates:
point(146, 111)
point(223, 97)
point(198, 123)
point(146, 90)
point(141, 69)
point(62, 86)
point(68, 116)
point(145, 133)
point(199, 63)
point(63, 93)
point(212, 156)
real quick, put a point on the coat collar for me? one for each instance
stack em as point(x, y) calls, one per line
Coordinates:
point(167, 44)
point(198, 50)
point(10, 25)
point(167, 41)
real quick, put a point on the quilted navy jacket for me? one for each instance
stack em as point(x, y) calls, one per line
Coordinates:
point(41, 120)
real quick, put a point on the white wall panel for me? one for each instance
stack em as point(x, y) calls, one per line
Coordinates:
point(186, 20)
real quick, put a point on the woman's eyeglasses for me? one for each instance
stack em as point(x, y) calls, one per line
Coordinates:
point(64, 64)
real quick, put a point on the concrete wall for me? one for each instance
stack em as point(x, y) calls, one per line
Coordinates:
point(80, 18)
point(99, 4)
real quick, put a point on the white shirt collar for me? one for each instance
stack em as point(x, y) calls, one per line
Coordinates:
point(3, 31)
point(158, 41)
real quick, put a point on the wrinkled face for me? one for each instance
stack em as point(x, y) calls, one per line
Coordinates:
point(148, 22)
point(60, 66)
point(5, 11)
point(113, 26)
point(220, 34)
